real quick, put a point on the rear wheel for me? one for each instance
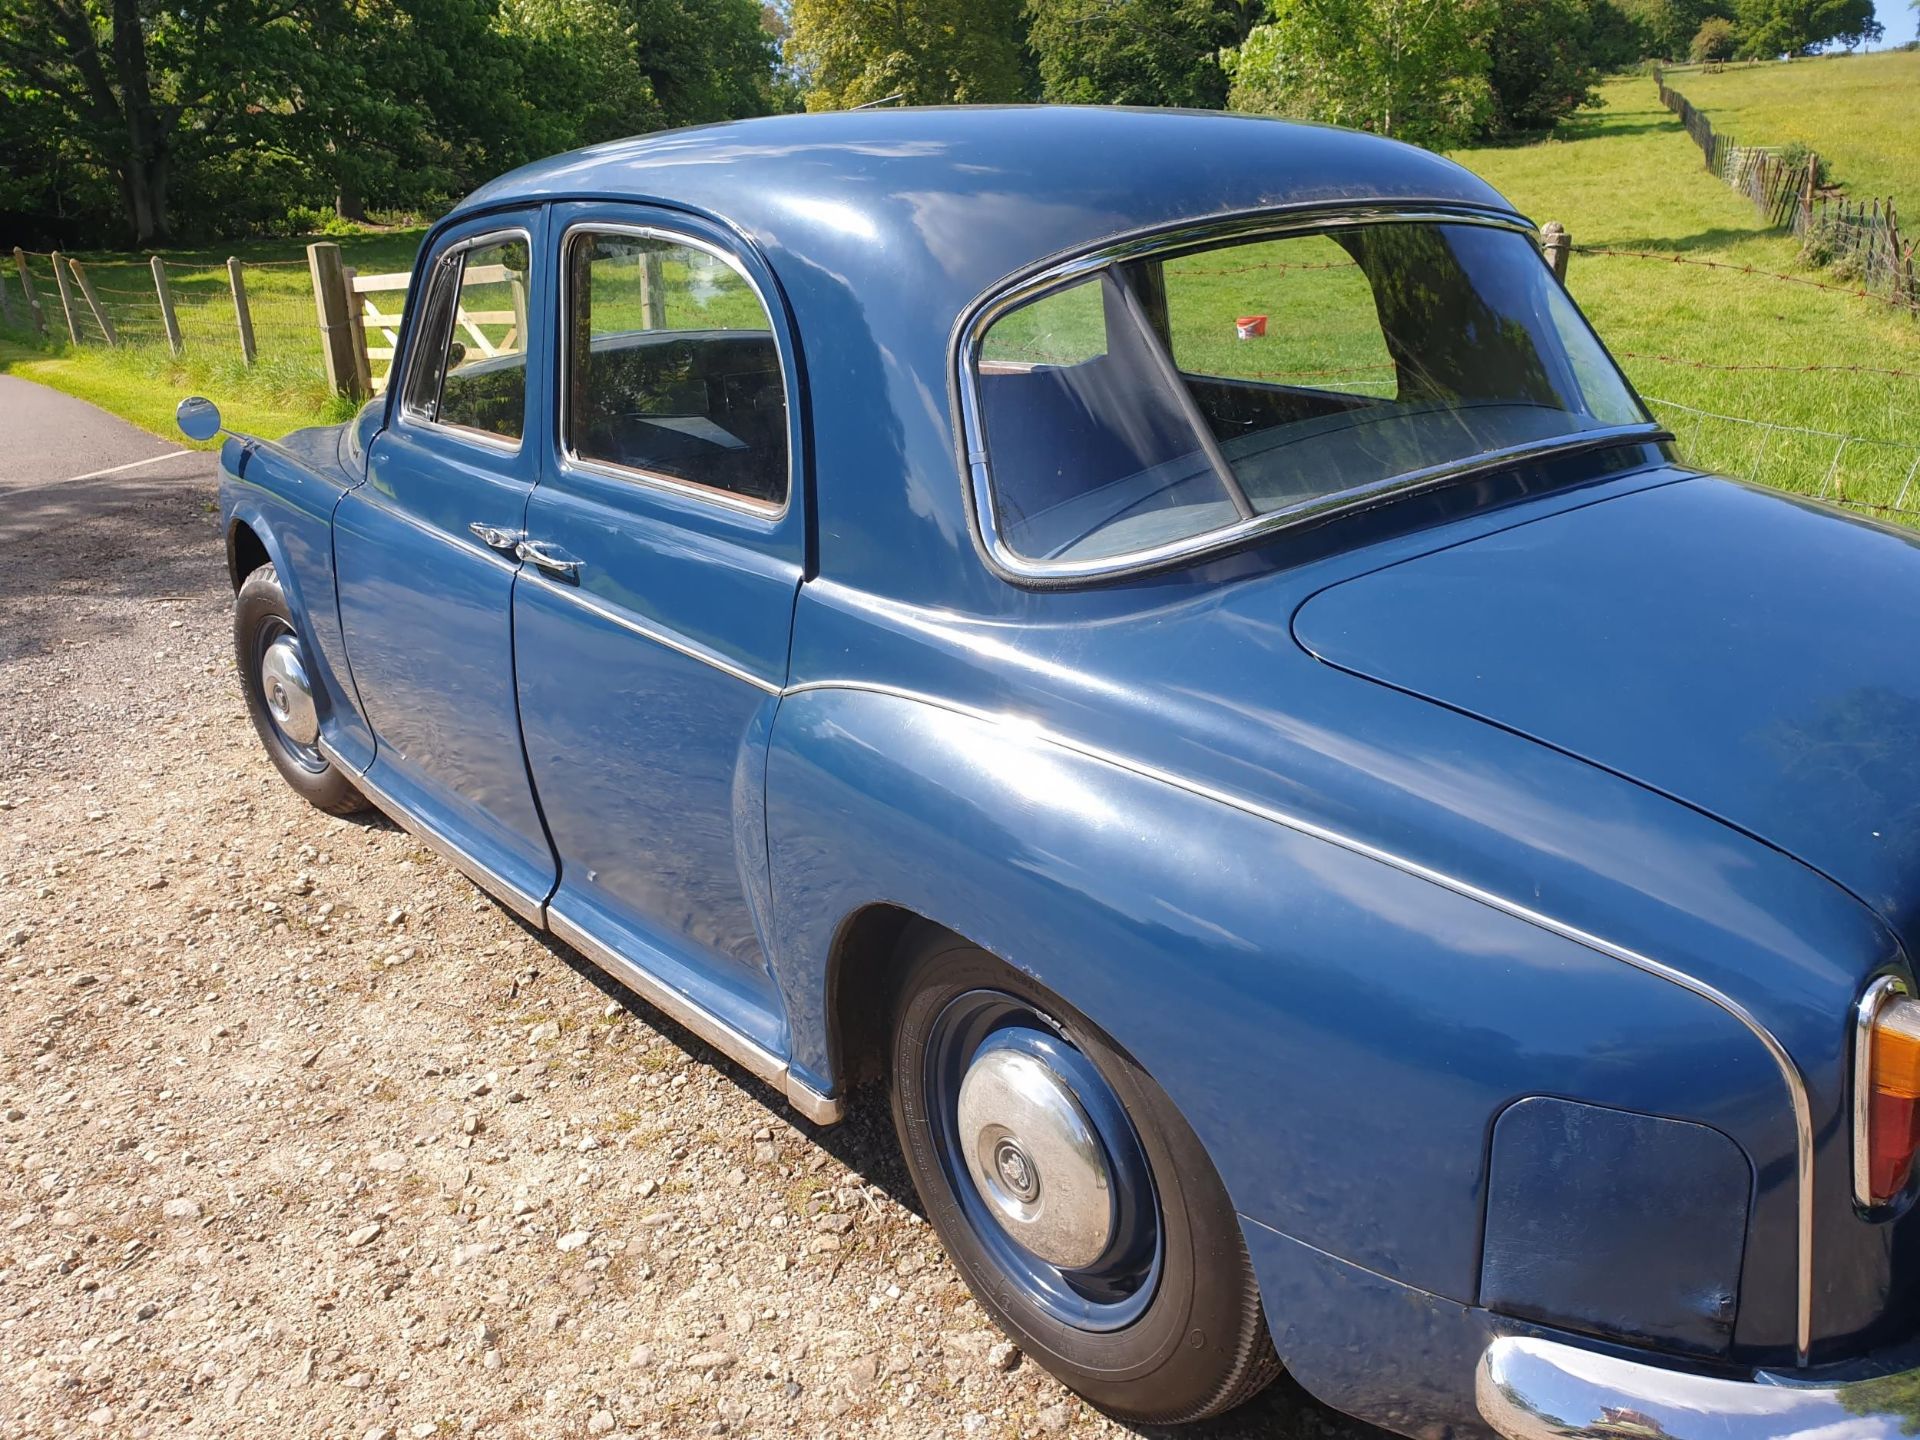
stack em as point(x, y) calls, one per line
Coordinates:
point(273, 673)
point(1075, 1200)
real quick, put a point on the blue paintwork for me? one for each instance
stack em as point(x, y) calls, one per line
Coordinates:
point(1590, 687)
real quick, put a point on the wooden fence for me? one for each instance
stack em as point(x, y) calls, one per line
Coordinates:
point(342, 324)
point(1858, 238)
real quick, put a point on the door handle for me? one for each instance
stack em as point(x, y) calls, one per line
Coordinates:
point(547, 556)
point(494, 538)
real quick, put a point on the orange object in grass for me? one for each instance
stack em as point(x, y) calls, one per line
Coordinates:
point(1250, 327)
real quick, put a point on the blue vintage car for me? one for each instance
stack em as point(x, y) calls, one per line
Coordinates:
point(1168, 638)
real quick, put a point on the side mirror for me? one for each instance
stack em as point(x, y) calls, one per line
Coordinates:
point(197, 418)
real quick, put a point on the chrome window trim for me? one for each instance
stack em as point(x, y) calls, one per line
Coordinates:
point(658, 637)
point(1875, 999)
point(418, 420)
point(973, 325)
point(570, 459)
point(1784, 1062)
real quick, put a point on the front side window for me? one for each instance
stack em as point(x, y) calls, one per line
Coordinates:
point(672, 368)
point(1151, 402)
point(470, 370)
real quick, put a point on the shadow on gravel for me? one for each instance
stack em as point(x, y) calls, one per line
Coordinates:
point(76, 551)
point(864, 1143)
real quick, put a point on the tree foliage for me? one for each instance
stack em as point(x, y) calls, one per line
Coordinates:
point(1410, 69)
point(235, 111)
point(1132, 52)
point(1540, 61)
point(1714, 41)
point(1800, 27)
point(1670, 25)
point(927, 52)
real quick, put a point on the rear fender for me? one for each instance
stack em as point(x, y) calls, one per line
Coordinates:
point(1340, 1034)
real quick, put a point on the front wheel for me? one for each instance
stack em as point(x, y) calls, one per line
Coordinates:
point(1075, 1200)
point(273, 673)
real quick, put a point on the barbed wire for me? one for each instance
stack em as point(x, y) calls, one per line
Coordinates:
point(1858, 292)
point(1759, 365)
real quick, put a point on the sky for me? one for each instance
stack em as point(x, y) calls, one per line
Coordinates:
point(1899, 18)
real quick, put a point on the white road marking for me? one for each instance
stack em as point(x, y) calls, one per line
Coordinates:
point(116, 469)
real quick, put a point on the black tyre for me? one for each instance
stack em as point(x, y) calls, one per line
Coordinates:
point(1077, 1203)
point(273, 672)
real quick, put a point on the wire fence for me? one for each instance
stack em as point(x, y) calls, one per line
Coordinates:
point(1858, 238)
point(1862, 473)
point(259, 312)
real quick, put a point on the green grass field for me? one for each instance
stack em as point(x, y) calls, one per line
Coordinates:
point(1860, 112)
point(1623, 176)
point(143, 381)
point(1627, 177)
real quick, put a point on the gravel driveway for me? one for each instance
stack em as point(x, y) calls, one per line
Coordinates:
point(304, 1136)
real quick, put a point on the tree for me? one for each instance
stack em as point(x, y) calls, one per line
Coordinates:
point(928, 52)
point(1405, 68)
point(1798, 27)
point(1130, 52)
point(1670, 25)
point(1540, 62)
point(1714, 41)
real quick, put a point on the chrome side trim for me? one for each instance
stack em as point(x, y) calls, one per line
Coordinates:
point(1533, 1389)
point(529, 907)
point(1790, 1075)
point(749, 1053)
point(1886, 988)
point(820, 1109)
point(659, 637)
point(964, 382)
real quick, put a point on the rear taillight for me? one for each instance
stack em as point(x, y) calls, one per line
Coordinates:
point(1887, 1093)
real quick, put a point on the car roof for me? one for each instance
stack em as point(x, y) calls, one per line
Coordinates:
point(969, 194)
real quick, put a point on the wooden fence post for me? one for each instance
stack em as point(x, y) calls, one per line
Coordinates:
point(242, 316)
point(100, 316)
point(362, 365)
point(66, 295)
point(332, 304)
point(165, 292)
point(34, 312)
point(6, 300)
point(653, 291)
point(1556, 245)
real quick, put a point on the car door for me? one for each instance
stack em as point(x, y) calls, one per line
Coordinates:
point(425, 555)
point(651, 624)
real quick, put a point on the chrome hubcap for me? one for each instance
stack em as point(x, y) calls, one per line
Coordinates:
point(1035, 1158)
point(289, 695)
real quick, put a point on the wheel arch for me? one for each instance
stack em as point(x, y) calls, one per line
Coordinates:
point(1307, 1008)
point(246, 552)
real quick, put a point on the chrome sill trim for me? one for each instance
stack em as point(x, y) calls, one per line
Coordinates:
point(747, 1052)
point(528, 907)
point(1533, 1389)
point(1789, 1072)
point(1878, 994)
point(647, 632)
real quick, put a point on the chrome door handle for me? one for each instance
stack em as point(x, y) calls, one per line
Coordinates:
point(546, 555)
point(494, 538)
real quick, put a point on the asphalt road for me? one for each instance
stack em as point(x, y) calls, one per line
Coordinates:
point(119, 721)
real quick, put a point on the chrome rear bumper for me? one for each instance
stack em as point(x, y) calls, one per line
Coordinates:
point(1531, 1389)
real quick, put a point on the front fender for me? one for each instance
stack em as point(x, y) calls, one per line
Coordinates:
point(1341, 1035)
point(289, 506)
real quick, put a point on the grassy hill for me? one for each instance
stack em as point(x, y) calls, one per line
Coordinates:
point(1861, 112)
point(1627, 177)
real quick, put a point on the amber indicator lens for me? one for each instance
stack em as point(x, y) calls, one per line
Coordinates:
point(1893, 1113)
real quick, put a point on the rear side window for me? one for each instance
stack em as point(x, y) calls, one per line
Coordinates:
point(470, 369)
point(672, 369)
